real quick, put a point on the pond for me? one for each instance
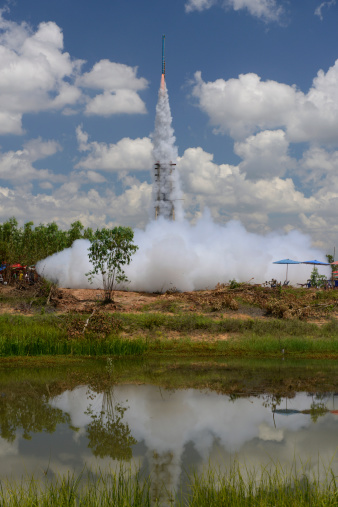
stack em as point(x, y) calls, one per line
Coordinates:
point(53, 420)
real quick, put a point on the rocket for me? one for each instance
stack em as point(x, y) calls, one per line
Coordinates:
point(163, 57)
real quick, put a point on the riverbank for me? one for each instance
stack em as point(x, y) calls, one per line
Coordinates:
point(231, 320)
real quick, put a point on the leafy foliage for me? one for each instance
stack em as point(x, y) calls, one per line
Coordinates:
point(109, 252)
point(108, 435)
point(317, 280)
point(28, 244)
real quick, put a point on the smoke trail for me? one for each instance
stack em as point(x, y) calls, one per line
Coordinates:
point(176, 254)
point(166, 187)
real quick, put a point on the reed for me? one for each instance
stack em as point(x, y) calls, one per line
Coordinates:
point(237, 486)
point(121, 489)
point(267, 486)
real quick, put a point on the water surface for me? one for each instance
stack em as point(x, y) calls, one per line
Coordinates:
point(52, 423)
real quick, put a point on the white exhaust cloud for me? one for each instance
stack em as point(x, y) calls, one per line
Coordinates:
point(176, 254)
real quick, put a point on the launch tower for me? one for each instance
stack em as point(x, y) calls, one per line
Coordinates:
point(164, 186)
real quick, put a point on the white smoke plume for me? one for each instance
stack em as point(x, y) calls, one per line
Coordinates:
point(175, 254)
point(166, 189)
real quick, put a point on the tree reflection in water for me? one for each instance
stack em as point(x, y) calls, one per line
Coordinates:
point(28, 410)
point(108, 435)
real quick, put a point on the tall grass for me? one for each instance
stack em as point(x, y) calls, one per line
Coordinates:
point(45, 334)
point(36, 346)
point(274, 486)
point(34, 336)
point(237, 486)
point(118, 489)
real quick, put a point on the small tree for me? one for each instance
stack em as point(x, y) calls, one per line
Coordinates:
point(316, 279)
point(109, 252)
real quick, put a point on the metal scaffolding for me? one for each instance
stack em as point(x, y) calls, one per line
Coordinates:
point(164, 189)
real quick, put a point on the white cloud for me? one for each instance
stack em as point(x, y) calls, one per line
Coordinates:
point(244, 105)
point(69, 203)
point(264, 155)
point(36, 74)
point(33, 67)
point(17, 166)
point(126, 155)
point(111, 76)
point(267, 10)
point(121, 101)
point(318, 10)
point(199, 5)
point(226, 191)
point(318, 164)
point(247, 105)
point(120, 86)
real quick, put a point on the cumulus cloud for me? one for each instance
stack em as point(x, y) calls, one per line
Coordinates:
point(111, 76)
point(265, 155)
point(17, 166)
point(36, 74)
point(126, 155)
point(319, 165)
point(94, 207)
point(121, 101)
point(120, 86)
point(267, 10)
point(247, 105)
point(33, 72)
point(230, 194)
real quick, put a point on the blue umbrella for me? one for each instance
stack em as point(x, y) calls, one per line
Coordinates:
point(287, 262)
point(317, 263)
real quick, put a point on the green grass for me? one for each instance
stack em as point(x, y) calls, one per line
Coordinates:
point(238, 486)
point(152, 333)
point(42, 335)
point(120, 489)
point(269, 486)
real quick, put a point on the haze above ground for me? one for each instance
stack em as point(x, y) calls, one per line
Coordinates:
point(253, 93)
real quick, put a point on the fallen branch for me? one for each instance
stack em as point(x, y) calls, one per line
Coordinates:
point(87, 321)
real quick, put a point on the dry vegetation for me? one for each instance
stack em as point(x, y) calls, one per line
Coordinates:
point(241, 301)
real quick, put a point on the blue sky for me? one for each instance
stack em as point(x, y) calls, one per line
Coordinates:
point(253, 94)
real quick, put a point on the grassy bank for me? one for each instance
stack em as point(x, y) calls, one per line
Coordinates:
point(264, 487)
point(155, 333)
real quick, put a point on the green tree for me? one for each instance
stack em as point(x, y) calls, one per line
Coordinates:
point(107, 434)
point(75, 232)
point(317, 280)
point(109, 252)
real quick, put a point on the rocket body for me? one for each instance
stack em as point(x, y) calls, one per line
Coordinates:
point(163, 56)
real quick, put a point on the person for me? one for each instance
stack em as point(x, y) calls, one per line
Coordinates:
point(20, 276)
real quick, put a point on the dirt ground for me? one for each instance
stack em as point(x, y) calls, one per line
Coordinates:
point(242, 303)
point(83, 299)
